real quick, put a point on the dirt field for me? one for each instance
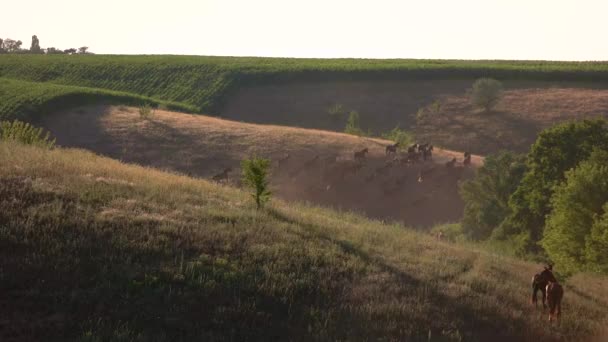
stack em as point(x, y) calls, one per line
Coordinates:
point(320, 167)
point(527, 108)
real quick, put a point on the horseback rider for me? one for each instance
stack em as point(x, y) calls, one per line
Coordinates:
point(547, 273)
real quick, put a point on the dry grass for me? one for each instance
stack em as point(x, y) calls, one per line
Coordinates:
point(204, 146)
point(94, 249)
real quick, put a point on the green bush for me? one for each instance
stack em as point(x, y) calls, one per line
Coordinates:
point(486, 93)
point(557, 150)
point(25, 133)
point(353, 125)
point(450, 232)
point(146, 112)
point(575, 234)
point(596, 244)
point(255, 176)
point(404, 138)
point(486, 196)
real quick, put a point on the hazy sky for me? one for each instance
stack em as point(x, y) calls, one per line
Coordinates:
point(464, 29)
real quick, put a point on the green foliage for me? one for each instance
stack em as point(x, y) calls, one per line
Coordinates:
point(146, 112)
point(486, 93)
point(486, 197)
point(578, 210)
point(23, 100)
point(25, 133)
point(353, 124)
point(255, 176)
point(420, 115)
point(450, 232)
point(557, 150)
point(398, 135)
point(435, 107)
point(596, 244)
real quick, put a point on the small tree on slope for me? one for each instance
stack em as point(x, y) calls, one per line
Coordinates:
point(486, 93)
point(255, 176)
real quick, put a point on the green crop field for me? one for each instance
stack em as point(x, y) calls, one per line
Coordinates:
point(18, 99)
point(202, 84)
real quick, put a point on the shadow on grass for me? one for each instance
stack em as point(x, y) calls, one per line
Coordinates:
point(459, 320)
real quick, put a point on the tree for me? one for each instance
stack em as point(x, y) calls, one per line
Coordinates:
point(83, 50)
point(353, 125)
point(579, 204)
point(12, 46)
point(255, 176)
point(486, 197)
point(70, 51)
point(53, 51)
point(596, 244)
point(557, 150)
point(486, 93)
point(35, 47)
point(2, 46)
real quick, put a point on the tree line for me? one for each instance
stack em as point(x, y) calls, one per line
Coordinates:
point(551, 203)
point(9, 45)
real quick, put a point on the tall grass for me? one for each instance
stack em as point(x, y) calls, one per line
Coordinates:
point(25, 133)
point(93, 249)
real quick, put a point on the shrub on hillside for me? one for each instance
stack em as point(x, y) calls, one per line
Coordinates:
point(576, 231)
point(486, 93)
point(255, 176)
point(25, 133)
point(404, 138)
point(353, 125)
point(486, 197)
point(146, 112)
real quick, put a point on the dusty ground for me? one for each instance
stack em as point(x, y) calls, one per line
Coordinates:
point(320, 167)
point(527, 108)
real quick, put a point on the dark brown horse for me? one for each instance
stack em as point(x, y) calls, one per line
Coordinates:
point(467, 160)
point(392, 149)
point(360, 155)
point(540, 282)
point(555, 293)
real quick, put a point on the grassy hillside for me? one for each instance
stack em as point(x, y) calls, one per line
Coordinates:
point(19, 99)
point(93, 249)
point(205, 82)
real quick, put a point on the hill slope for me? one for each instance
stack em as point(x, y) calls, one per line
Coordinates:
point(94, 249)
point(419, 194)
point(438, 111)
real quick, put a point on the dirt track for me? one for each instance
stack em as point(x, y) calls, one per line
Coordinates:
point(419, 194)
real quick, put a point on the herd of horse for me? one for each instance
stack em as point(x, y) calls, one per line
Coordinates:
point(415, 153)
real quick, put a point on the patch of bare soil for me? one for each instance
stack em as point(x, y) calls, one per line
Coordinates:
point(450, 121)
point(308, 165)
